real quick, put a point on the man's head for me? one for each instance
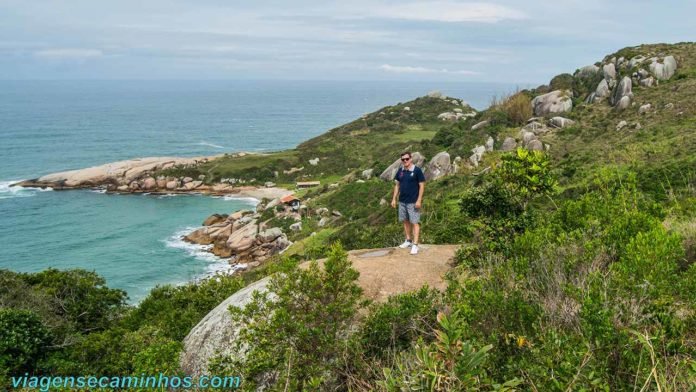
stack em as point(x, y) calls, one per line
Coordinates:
point(406, 158)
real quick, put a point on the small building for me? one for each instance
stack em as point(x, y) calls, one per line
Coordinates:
point(307, 184)
point(292, 201)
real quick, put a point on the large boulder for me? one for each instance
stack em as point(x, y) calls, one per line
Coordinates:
point(479, 125)
point(609, 71)
point(270, 235)
point(509, 144)
point(558, 101)
point(389, 173)
point(243, 237)
point(623, 92)
point(561, 122)
point(440, 165)
point(215, 334)
point(602, 90)
point(664, 70)
point(149, 183)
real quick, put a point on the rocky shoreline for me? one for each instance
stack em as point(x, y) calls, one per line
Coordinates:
point(136, 176)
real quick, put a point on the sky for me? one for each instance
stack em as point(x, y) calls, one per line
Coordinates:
point(440, 40)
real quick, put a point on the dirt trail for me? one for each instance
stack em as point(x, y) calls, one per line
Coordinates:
point(389, 271)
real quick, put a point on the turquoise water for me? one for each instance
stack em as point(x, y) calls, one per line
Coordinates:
point(134, 240)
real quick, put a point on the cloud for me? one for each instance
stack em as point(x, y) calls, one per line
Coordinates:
point(450, 11)
point(422, 70)
point(69, 54)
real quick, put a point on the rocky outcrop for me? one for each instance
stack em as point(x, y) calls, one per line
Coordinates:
point(383, 273)
point(558, 101)
point(664, 70)
point(115, 173)
point(477, 155)
point(440, 165)
point(214, 335)
point(389, 173)
point(623, 94)
point(240, 237)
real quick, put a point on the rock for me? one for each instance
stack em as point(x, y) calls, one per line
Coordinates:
point(192, 185)
point(477, 155)
point(296, 226)
point(314, 161)
point(269, 235)
point(269, 184)
point(561, 122)
point(201, 177)
point(186, 180)
point(134, 186)
point(479, 125)
point(535, 127)
point(623, 90)
point(367, 174)
point(664, 70)
point(609, 71)
point(438, 166)
point(215, 218)
point(293, 170)
point(149, 184)
point(535, 145)
point(336, 213)
point(509, 144)
point(359, 181)
point(457, 110)
point(602, 90)
point(407, 109)
point(527, 136)
point(389, 173)
point(242, 238)
point(624, 103)
point(648, 82)
point(448, 116)
point(382, 202)
point(123, 188)
point(161, 183)
point(489, 143)
point(323, 221)
point(644, 108)
point(588, 71)
point(621, 125)
point(669, 106)
point(171, 185)
point(322, 211)
point(638, 126)
point(558, 101)
point(435, 94)
point(214, 334)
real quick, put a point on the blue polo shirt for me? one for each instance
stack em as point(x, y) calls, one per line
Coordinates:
point(408, 183)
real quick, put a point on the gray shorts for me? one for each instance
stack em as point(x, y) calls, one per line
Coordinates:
point(409, 212)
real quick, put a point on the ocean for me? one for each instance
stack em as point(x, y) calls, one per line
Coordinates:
point(134, 240)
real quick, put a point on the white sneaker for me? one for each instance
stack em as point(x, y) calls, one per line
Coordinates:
point(406, 244)
point(414, 249)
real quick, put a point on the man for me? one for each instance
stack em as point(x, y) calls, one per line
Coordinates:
point(409, 186)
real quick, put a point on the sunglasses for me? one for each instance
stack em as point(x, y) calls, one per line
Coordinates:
point(405, 159)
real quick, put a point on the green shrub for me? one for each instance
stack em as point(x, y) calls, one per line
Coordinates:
point(291, 335)
point(24, 341)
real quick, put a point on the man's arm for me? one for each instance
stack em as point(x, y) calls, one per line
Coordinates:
point(395, 194)
point(421, 188)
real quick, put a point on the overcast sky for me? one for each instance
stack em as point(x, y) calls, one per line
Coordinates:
point(507, 41)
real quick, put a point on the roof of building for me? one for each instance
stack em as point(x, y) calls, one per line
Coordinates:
point(288, 198)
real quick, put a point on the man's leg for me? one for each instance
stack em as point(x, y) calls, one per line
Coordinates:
point(407, 229)
point(416, 232)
